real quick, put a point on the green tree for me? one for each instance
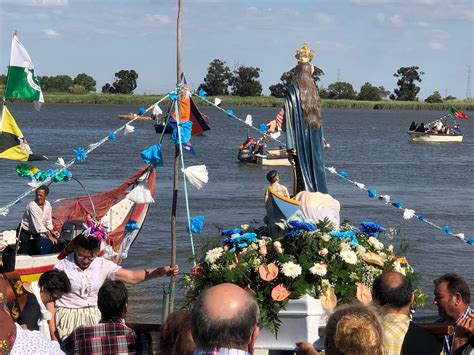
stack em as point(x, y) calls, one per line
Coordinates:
point(125, 83)
point(368, 92)
point(341, 90)
point(279, 90)
point(217, 78)
point(86, 81)
point(244, 81)
point(383, 93)
point(407, 89)
point(434, 98)
point(449, 98)
point(3, 79)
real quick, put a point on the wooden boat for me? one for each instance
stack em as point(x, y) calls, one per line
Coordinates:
point(131, 116)
point(421, 137)
point(113, 208)
point(279, 207)
point(273, 157)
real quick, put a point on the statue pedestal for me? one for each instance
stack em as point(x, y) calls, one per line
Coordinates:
point(300, 321)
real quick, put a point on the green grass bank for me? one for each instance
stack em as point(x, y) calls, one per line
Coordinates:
point(256, 101)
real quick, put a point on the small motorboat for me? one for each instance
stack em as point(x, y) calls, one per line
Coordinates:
point(426, 137)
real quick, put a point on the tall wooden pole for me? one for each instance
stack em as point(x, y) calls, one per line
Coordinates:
point(176, 169)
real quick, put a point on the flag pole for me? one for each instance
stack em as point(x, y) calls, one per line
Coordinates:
point(176, 168)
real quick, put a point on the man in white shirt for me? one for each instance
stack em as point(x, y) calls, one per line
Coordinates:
point(36, 222)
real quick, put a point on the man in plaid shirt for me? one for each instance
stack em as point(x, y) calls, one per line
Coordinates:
point(111, 335)
point(225, 321)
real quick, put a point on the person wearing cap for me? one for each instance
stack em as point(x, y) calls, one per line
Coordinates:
point(300, 119)
point(274, 180)
point(87, 271)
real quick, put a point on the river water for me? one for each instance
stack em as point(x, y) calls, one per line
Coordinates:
point(372, 146)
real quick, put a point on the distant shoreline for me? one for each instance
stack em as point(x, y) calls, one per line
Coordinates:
point(256, 101)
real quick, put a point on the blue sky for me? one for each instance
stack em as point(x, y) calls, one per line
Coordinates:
point(355, 40)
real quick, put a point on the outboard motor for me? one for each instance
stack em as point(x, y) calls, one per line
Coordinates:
point(71, 229)
point(245, 155)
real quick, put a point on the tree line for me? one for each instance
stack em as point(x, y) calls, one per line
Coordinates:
point(244, 81)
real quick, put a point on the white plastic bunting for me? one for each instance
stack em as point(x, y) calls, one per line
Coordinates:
point(128, 129)
point(217, 101)
point(157, 110)
point(141, 194)
point(249, 120)
point(197, 175)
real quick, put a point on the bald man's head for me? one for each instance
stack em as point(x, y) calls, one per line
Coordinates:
point(392, 289)
point(224, 316)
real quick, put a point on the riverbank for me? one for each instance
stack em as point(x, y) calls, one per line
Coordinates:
point(257, 101)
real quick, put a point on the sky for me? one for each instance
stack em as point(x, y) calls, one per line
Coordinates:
point(355, 41)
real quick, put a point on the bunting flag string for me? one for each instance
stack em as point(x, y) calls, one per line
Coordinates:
point(81, 155)
point(407, 213)
point(230, 113)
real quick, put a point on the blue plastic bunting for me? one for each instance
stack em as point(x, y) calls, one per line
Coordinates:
point(173, 96)
point(202, 93)
point(421, 217)
point(187, 147)
point(262, 127)
point(112, 136)
point(197, 224)
point(131, 226)
point(344, 174)
point(141, 111)
point(372, 192)
point(470, 240)
point(446, 229)
point(185, 129)
point(397, 204)
point(230, 113)
point(81, 154)
point(152, 155)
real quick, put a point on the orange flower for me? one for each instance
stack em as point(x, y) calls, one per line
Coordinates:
point(268, 272)
point(328, 299)
point(363, 294)
point(279, 292)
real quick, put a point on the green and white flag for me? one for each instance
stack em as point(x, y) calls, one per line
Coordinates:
point(21, 80)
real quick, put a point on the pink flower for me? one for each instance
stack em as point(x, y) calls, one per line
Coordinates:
point(262, 249)
point(323, 252)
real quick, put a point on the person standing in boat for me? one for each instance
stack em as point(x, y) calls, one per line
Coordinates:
point(36, 222)
point(87, 271)
point(300, 118)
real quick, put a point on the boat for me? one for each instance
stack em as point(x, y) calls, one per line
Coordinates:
point(131, 116)
point(273, 157)
point(442, 130)
point(117, 209)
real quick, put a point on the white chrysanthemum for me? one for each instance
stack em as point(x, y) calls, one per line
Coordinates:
point(325, 283)
point(361, 250)
point(290, 269)
point(375, 243)
point(213, 255)
point(318, 269)
point(383, 255)
point(344, 246)
point(348, 256)
point(326, 237)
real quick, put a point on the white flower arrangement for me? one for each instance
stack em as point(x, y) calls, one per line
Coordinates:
point(290, 269)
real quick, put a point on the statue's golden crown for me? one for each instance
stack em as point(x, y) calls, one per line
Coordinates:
point(304, 54)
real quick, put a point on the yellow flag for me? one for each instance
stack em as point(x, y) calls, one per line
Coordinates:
point(12, 143)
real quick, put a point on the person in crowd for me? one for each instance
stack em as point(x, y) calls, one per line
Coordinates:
point(111, 335)
point(36, 222)
point(224, 320)
point(300, 118)
point(452, 297)
point(457, 129)
point(421, 128)
point(87, 272)
point(394, 293)
point(465, 328)
point(50, 287)
point(175, 334)
point(351, 329)
point(274, 180)
point(15, 340)
point(412, 126)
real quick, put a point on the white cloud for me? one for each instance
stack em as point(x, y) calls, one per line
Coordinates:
point(396, 20)
point(51, 33)
point(324, 19)
point(380, 17)
point(435, 45)
point(440, 34)
point(422, 24)
point(45, 3)
point(157, 18)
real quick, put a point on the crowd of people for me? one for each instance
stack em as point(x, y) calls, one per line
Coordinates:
point(436, 127)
